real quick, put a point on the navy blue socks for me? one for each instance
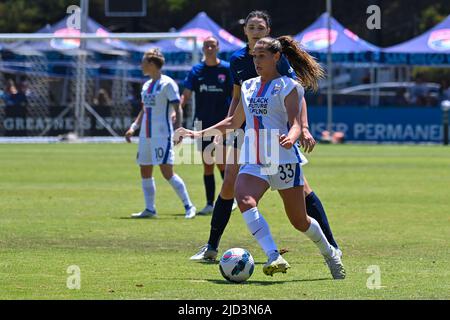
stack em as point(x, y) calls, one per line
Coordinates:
point(315, 210)
point(219, 220)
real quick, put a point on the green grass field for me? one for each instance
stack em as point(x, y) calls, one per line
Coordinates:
point(63, 205)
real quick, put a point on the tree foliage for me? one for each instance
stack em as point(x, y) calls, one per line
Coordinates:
point(401, 19)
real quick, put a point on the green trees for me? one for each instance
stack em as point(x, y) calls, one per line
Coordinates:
point(401, 19)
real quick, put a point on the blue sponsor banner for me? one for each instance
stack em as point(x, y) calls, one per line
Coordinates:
point(381, 124)
point(350, 57)
point(415, 58)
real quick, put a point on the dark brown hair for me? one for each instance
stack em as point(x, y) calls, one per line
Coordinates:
point(212, 37)
point(259, 14)
point(307, 69)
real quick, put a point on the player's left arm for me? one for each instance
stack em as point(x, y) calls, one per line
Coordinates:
point(307, 141)
point(292, 105)
point(173, 95)
point(178, 117)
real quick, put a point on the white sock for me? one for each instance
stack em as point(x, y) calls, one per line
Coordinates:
point(260, 230)
point(149, 188)
point(315, 233)
point(178, 185)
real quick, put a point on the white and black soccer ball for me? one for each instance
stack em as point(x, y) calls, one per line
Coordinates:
point(236, 265)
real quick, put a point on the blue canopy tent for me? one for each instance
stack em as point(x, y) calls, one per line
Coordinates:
point(61, 62)
point(59, 53)
point(347, 50)
point(202, 27)
point(178, 52)
point(346, 46)
point(67, 46)
point(430, 48)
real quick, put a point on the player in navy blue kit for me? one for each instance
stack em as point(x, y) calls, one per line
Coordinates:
point(257, 26)
point(212, 83)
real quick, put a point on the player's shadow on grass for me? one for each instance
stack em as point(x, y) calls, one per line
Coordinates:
point(174, 216)
point(137, 219)
point(218, 261)
point(143, 219)
point(266, 283)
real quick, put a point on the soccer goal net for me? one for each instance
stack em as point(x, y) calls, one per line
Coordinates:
point(84, 85)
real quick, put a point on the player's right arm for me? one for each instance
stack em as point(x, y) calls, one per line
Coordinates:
point(291, 103)
point(230, 123)
point(306, 139)
point(134, 126)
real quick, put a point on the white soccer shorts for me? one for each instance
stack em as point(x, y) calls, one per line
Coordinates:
point(287, 176)
point(303, 158)
point(155, 151)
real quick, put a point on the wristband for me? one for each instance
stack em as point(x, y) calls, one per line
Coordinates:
point(134, 126)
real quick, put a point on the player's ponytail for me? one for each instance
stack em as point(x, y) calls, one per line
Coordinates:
point(308, 71)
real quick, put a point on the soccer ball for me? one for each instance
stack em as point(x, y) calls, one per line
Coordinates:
point(236, 265)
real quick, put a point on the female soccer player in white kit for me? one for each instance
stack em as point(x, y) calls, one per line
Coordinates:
point(160, 96)
point(271, 102)
point(257, 25)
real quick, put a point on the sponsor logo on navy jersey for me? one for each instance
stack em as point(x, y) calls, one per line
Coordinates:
point(209, 88)
point(221, 78)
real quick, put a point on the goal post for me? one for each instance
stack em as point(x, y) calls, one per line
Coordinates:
point(84, 71)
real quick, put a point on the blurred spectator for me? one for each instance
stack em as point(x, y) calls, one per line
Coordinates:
point(10, 93)
point(52, 98)
point(444, 91)
point(135, 98)
point(22, 93)
point(401, 97)
point(419, 92)
point(431, 100)
point(102, 99)
point(366, 78)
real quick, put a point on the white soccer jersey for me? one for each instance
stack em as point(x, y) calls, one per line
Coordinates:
point(156, 99)
point(266, 120)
